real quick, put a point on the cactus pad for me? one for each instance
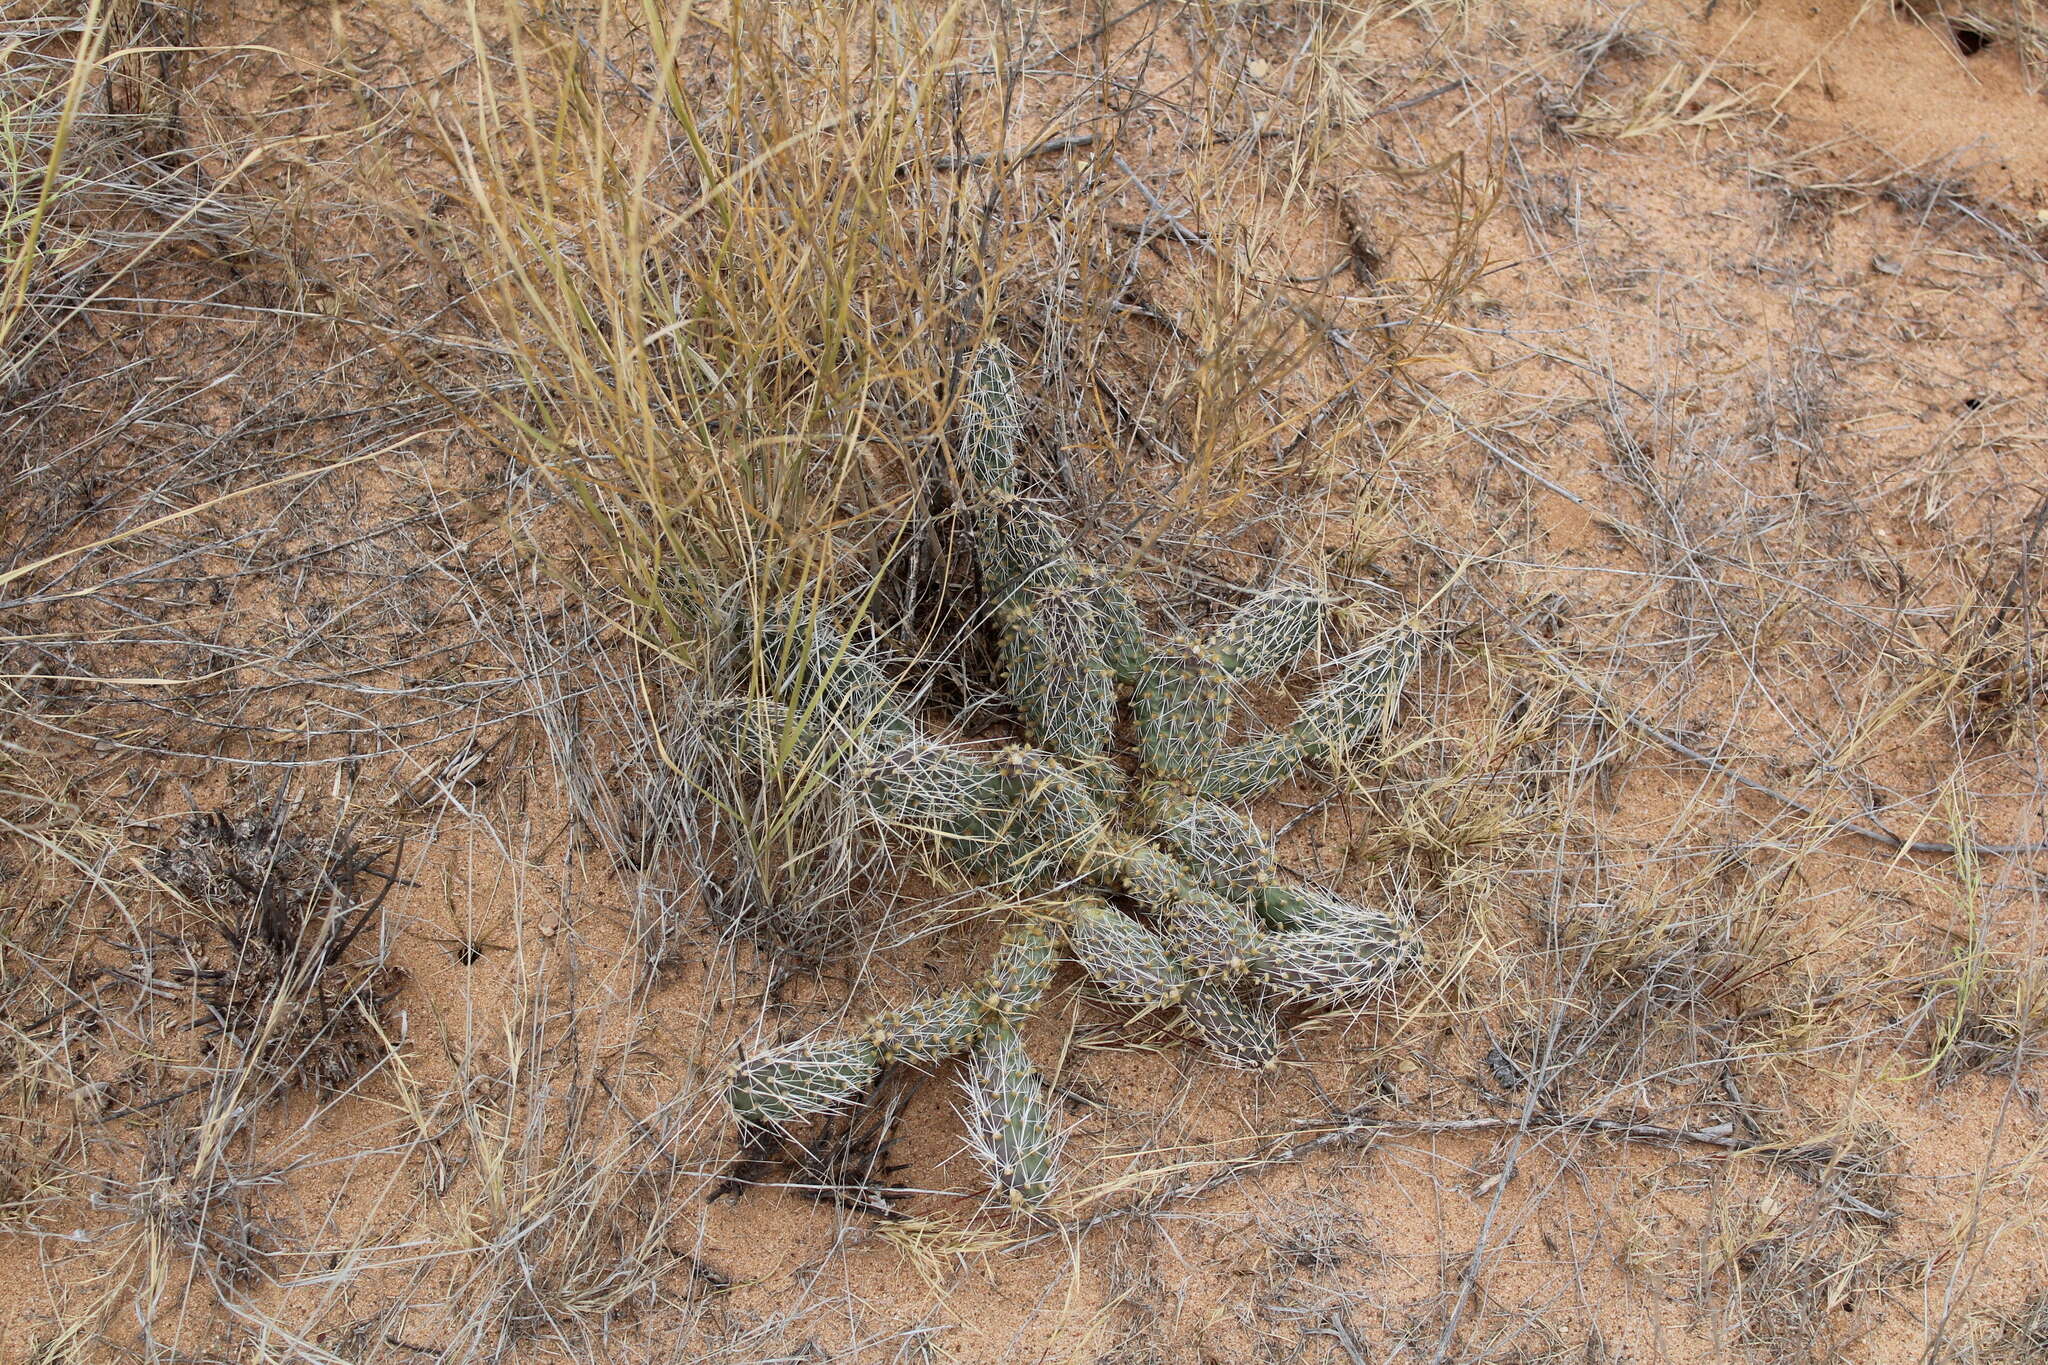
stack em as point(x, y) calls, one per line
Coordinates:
point(1269, 632)
point(1239, 1031)
point(1338, 952)
point(927, 1031)
point(1180, 706)
point(1221, 844)
point(1252, 768)
point(801, 1080)
point(1051, 644)
point(939, 794)
point(1359, 704)
point(1009, 1121)
point(1214, 935)
point(1018, 542)
point(1123, 625)
point(1053, 817)
point(1138, 870)
point(1022, 970)
point(1125, 962)
point(991, 423)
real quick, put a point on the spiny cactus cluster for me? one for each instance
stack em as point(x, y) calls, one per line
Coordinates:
point(1151, 882)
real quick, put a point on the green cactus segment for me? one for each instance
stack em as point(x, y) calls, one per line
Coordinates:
point(1018, 542)
point(1020, 974)
point(1269, 632)
point(1009, 1120)
point(831, 684)
point(1143, 873)
point(1339, 952)
point(1360, 703)
point(1127, 962)
point(1252, 768)
point(1285, 907)
point(1109, 783)
point(942, 793)
point(1244, 1033)
point(927, 1031)
point(1051, 645)
point(1181, 707)
point(1054, 819)
point(991, 422)
point(802, 1080)
point(1225, 848)
point(1214, 935)
point(1123, 625)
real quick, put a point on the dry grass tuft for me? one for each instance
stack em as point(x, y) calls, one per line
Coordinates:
point(292, 999)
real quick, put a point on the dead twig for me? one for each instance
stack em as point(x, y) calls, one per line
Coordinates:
point(1359, 1130)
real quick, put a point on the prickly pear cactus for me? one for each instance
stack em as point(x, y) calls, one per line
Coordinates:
point(1154, 884)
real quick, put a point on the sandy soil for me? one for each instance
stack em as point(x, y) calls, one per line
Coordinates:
point(1716, 460)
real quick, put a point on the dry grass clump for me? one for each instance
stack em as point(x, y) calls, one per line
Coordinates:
point(1989, 1014)
point(1787, 1286)
point(301, 993)
point(2020, 1337)
point(95, 176)
point(1997, 685)
point(1791, 1261)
